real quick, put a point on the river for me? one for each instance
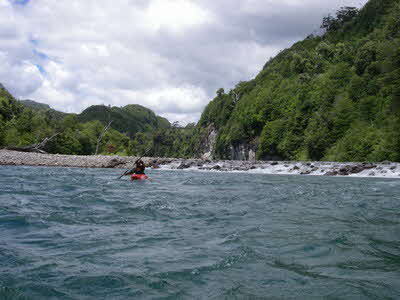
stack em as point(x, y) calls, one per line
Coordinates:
point(82, 234)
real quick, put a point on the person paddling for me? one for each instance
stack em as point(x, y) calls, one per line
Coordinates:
point(140, 167)
point(138, 172)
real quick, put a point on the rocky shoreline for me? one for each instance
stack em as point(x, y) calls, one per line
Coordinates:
point(384, 169)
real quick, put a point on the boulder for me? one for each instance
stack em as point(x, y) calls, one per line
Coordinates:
point(356, 169)
point(331, 173)
point(183, 166)
point(366, 165)
point(305, 172)
point(344, 171)
point(114, 163)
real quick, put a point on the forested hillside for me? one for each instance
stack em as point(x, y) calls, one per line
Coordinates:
point(42, 107)
point(134, 129)
point(330, 97)
point(129, 119)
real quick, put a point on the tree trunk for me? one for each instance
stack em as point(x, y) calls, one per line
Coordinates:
point(37, 148)
point(101, 136)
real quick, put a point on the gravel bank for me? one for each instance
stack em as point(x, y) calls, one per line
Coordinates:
point(385, 169)
point(15, 158)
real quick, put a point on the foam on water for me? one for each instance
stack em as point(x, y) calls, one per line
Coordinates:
point(390, 170)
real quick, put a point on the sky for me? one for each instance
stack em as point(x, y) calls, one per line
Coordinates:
point(168, 55)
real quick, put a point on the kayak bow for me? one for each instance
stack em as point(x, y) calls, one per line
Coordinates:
point(139, 177)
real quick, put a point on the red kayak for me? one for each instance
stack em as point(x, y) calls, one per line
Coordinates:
point(139, 177)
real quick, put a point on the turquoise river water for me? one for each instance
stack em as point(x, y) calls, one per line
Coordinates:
point(82, 234)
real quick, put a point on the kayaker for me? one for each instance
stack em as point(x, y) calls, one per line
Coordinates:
point(139, 169)
point(138, 172)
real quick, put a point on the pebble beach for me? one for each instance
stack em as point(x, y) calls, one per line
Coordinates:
point(362, 169)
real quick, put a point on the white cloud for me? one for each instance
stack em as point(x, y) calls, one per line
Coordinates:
point(18, 71)
point(168, 55)
point(22, 78)
point(175, 15)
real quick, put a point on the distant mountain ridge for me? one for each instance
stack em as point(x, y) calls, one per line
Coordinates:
point(38, 106)
point(34, 105)
point(129, 119)
point(134, 129)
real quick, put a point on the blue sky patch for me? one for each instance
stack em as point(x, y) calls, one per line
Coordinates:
point(34, 42)
point(41, 57)
point(19, 2)
point(39, 54)
point(41, 69)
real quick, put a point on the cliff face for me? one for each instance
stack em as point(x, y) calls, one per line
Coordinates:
point(207, 143)
point(331, 97)
point(243, 151)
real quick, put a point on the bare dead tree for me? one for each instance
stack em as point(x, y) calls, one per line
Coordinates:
point(38, 148)
point(236, 97)
point(101, 136)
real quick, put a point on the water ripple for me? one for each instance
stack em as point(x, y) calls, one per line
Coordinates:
point(81, 234)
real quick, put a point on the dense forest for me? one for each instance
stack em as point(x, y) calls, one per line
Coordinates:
point(330, 97)
point(129, 130)
point(333, 96)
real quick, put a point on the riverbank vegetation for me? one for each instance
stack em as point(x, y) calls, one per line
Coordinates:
point(133, 129)
point(334, 96)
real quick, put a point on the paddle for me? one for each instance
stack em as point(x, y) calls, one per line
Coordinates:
point(132, 170)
